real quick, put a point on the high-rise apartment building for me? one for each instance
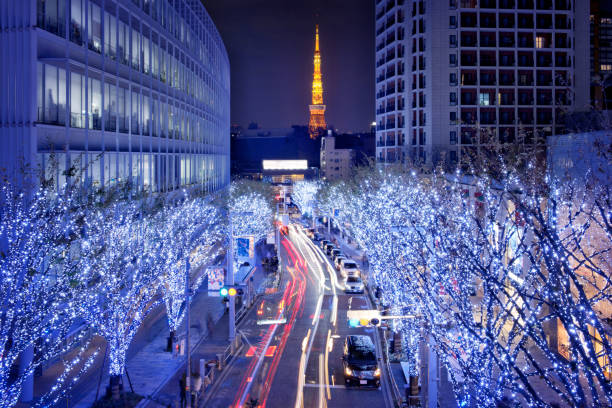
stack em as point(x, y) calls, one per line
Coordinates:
point(601, 55)
point(453, 76)
point(130, 91)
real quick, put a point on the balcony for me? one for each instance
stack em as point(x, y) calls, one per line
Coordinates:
point(487, 79)
point(544, 99)
point(468, 60)
point(525, 21)
point(468, 41)
point(506, 119)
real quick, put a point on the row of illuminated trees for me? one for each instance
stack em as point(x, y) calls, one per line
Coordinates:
point(509, 277)
point(65, 262)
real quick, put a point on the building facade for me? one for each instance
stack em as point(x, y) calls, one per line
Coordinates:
point(133, 91)
point(336, 164)
point(456, 76)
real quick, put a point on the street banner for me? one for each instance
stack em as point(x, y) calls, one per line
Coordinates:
point(216, 278)
point(244, 247)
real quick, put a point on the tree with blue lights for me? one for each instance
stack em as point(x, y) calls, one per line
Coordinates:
point(42, 294)
point(495, 273)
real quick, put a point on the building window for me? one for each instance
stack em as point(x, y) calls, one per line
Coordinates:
point(94, 28)
point(453, 79)
point(452, 22)
point(453, 98)
point(95, 104)
point(77, 100)
point(453, 118)
point(605, 67)
point(540, 42)
point(51, 16)
point(51, 94)
point(77, 21)
point(484, 99)
point(452, 40)
point(452, 60)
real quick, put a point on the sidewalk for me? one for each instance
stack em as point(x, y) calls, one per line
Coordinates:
point(149, 369)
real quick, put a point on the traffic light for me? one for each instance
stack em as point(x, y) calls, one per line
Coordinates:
point(228, 291)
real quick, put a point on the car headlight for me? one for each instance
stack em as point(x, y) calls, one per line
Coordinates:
point(348, 371)
point(377, 372)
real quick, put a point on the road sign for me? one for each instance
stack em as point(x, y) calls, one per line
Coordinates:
point(271, 321)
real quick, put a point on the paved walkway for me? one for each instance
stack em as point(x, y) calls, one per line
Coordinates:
point(152, 365)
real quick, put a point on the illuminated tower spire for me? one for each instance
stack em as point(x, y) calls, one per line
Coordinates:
point(316, 126)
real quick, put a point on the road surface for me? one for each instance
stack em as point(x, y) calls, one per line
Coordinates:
point(294, 358)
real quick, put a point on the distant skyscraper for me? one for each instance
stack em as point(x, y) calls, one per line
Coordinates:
point(601, 56)
point(456, 77)
point(316, 125)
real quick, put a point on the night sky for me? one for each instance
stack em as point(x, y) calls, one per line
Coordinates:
point(271, 44)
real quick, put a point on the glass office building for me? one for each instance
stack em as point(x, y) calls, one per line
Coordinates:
point(131, 91)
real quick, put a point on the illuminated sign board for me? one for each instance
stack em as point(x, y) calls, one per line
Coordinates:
point(216, 277)
point(285, 164)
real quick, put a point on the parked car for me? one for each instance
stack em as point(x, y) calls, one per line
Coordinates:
point(317, 238)
point(353, 284)
point(359, 361)
point(348, 267)
point(310, 233)
point(338, 261)
point(329, 248)
point(323, 243)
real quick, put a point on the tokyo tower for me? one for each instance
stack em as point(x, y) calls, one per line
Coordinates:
point(316, 125)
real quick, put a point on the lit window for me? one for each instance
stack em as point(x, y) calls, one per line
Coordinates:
point(606, 67)
point(484, 99)
point(540, 42)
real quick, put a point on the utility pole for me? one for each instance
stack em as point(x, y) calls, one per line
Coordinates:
point(187, 323)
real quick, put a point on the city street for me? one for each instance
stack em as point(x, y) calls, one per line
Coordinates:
point(299, 362)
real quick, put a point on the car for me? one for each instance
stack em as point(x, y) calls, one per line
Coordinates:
point(334, 253)
point(353, 284)
point(329, 248)
point(323, 243)
point(359, 362)
point(338, 261)
point(310, 233)
point(317, 238)
point(348, 267)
